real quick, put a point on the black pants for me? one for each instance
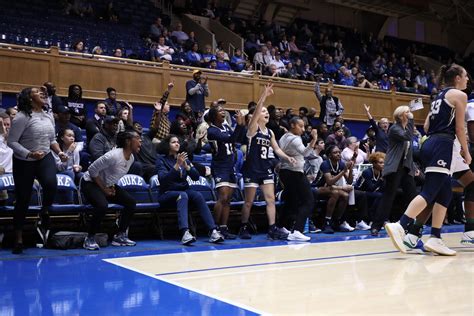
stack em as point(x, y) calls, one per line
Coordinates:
point(393, 181)
point(297, 196)
point(100, 202)
point(24, 174)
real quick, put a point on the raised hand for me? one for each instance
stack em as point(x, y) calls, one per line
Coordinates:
point(129, 105)
point(314, 133)
point(158, 106)
point(268, 89)
point(367, 107)
point(239, 117)
point(170, 86)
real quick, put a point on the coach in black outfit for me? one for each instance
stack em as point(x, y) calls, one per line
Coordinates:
point(399, 169)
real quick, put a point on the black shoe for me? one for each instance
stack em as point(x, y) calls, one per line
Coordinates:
point(224, 230)
point(311, 227)
point(374, 232)
point(244, 233)
point(17, 249)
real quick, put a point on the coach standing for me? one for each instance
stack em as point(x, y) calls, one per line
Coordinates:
point(196, 92)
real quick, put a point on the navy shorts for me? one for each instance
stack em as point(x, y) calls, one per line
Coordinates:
point(224, 178)
point(437, 154)
point(255, 180)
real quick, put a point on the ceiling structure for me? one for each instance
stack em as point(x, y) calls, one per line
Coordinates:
point(450, 12)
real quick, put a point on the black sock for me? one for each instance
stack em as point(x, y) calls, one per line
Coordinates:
point(406, 221)
point(436, 232)
point(469, 226)
point(416, 229)
point(272, 227)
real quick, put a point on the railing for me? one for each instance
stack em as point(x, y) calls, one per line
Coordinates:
point(144, 82)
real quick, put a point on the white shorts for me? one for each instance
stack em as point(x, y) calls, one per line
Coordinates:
point(457, 163)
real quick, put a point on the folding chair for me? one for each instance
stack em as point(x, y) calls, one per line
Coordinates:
point(8, 184)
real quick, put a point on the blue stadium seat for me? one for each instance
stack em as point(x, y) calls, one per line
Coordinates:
point(67, 199)
point(140, 190)
point(204, 187)
point(8, 184)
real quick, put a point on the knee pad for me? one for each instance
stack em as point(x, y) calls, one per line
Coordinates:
point(469, 192)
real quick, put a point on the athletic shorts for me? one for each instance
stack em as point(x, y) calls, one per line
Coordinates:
point(224, 178)
point(458, 164)
point(255, 180)
point(437, 154)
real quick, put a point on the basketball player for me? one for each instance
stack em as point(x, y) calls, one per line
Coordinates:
point(463, 174)
point(446, 121)
point(258, 170)
point(222, 140)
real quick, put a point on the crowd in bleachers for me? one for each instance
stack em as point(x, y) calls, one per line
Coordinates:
point(305, 50)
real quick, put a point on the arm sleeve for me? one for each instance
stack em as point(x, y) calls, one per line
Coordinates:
point(96, 147)
point(17, 129)
point(192, 90)
point(397, 133)
point(193, 174)
point(317, 91)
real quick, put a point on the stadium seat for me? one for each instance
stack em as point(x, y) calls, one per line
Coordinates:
point(8, 184)
point(140, 190)
point(67, 200)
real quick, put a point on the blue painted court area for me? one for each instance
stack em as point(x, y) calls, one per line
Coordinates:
point(79, 282)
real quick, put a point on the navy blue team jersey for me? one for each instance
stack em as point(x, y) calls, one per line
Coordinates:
point(442, 116)
point(258, 157)
point(223, 149)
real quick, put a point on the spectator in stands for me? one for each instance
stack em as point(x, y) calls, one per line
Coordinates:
point(274, 122)
point(12, 112)
point(193, 56)
point(222, 64)
point(331, 106)
point(238, 61)
point(160, 121)
point(284, 45)
point(32, 139)
point(422, 81)
point(156, 29)
point(186, 114)
point(196, 92)
point(100, 189)
point(163, 51)
point(297, 193)
point(106, 139)
point(208, 55)
point(173, 168)
point(78, 47)
point(372, 183)
point(118, 53)
point(113, 107)
point(220, 48)
point(330, 68)
point(97, 50)
point(336, 138)
point(348, 79)
point(191, 41)
point(259, 58)
point(399, 169)
point(53, 100)
point(352, 152)
point(72, 166)
point(337, 180)
point(293, 48)
point(179, 34)
point(280, 66)
point(126, 118)
point(146, 157)
point(6, 153)
point(63, 122)
point(362, 82)
point(95, 123)
point(323, 131)
point(380, 129)
point(286, 59)
point(385, 84)
point(76, 105)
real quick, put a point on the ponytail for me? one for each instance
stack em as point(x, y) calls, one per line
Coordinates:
point(447, 74)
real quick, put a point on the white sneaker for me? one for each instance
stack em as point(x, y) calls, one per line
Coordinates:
point(468, 238)
point(362, 226)
point(285, 231)
point(437, 245)
point(187, 238)
point(345, 227)
point(215, 237)
point(397, 234)
point(297, 236)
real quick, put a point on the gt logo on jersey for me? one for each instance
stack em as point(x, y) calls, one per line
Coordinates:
point(441, 163)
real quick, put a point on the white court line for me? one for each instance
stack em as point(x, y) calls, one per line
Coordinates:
point(212, 296)
point(275, 268)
